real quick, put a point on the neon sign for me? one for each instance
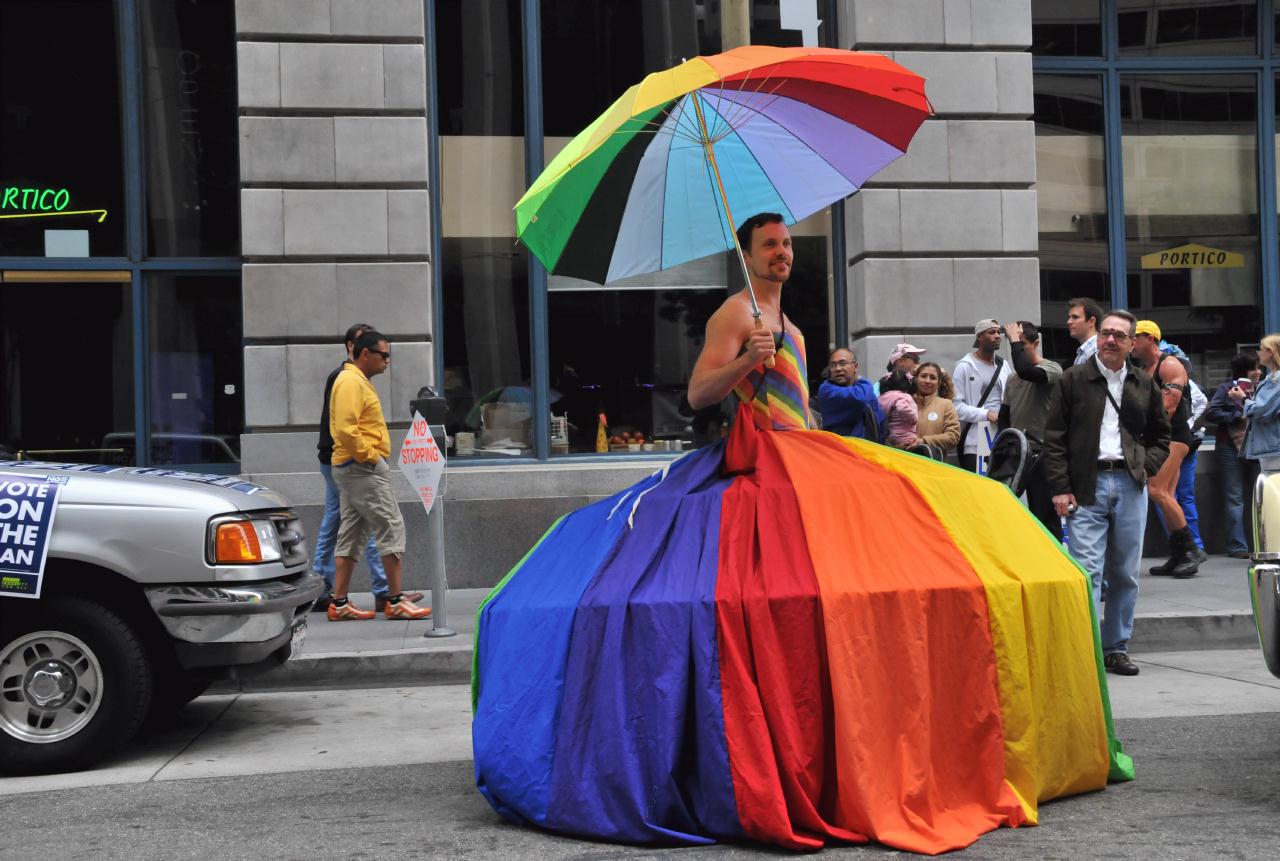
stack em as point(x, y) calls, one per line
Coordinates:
point(41, 203)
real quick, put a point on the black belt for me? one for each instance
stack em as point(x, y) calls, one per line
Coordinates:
point(1105, 465)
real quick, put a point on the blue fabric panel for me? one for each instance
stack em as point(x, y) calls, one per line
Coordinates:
point(523, 641)
point(641, 753)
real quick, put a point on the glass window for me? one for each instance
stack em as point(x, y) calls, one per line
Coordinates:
point(66, 388)
point(61, 162)
point(1191, 211)
point(484, 271)
point(196, 363)
point(1066, 28)
point(1072, 201)
point(1177, 28)
point(189, 87)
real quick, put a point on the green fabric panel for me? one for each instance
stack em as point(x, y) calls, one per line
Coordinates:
point(558, 207)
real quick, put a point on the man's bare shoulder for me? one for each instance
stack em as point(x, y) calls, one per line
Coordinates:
point(733, 316)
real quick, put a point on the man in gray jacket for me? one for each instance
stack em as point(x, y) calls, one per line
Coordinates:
point(1106, 435)
point(979, 379)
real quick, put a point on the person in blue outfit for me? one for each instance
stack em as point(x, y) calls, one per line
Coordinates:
point(1262, 441)
point(327, 536)
point(1236, 472)
point(845, 400)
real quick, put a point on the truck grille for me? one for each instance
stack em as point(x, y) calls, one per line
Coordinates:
point(293, 538)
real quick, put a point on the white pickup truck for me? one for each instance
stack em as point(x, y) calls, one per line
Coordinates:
point(1264, 570)
point(156, 584)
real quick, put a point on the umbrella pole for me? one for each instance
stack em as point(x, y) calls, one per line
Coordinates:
point(709, 149)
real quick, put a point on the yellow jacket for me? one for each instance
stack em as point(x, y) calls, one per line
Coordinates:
point(355, 419)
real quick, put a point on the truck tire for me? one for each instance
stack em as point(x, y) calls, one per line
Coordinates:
point(75, 685)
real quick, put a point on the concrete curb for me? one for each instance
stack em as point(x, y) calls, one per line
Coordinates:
point(451, 665)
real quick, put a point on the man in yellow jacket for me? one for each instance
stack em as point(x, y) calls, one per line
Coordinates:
point(361, 446)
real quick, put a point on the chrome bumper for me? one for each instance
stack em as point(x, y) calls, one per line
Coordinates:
point(239, 613)
point(1264, 592)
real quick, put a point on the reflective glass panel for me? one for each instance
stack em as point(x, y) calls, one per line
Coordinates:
point(66, 389)
point(1072, 202)
point(1171, 28)
point(484, 270)
point(1066, 28)
point(1191, 211)
point(189, 85)
point(196, 367)
point(61, 149)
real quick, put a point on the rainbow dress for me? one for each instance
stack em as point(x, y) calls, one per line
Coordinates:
point(793, 638)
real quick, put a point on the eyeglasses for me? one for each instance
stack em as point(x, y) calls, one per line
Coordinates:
point(1113, 335)
point(842, 363)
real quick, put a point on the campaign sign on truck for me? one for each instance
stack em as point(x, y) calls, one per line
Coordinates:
point(422, 461)
point(27, 506)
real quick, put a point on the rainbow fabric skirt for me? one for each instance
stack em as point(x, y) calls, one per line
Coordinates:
point(792, 638)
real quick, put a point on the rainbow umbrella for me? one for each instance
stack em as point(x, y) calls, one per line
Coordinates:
point(845, 643)
point(655, 180)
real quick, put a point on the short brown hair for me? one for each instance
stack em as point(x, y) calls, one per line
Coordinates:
point(1123, 315)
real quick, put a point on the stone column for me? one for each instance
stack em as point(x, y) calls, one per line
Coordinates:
point(335, 214)
point(947, 234)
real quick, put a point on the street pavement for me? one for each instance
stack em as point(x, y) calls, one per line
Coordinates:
point(386, 773)
point(1210, 611)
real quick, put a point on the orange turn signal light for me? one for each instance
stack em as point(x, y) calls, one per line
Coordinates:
point(237, 542)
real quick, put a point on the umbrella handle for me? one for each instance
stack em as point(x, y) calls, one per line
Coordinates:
point(769, 362)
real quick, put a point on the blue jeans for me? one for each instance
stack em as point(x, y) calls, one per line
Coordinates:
point(1237, 477)
point(327, 537)
point(1185, 493)
point(1106, 539)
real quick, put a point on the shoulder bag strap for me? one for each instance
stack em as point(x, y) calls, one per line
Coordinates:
point(982, 399)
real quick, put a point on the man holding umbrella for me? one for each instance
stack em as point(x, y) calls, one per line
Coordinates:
point(737, 343)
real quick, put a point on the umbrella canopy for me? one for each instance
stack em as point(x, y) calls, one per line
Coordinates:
point(787, 130)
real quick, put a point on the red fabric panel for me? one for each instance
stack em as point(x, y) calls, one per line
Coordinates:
point(775, 686)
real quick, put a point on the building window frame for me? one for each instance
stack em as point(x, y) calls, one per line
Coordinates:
point(1264, 66)
point(534, 160)
point(136, 262)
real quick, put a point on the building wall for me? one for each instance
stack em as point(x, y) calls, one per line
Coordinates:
point(335, 213)
point(947, 234)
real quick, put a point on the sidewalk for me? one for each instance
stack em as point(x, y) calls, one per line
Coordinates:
point(1210, 611)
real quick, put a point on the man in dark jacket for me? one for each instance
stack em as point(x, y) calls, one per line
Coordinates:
point(1107, 433)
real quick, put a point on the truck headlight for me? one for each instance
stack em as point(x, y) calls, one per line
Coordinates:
point(240, 540)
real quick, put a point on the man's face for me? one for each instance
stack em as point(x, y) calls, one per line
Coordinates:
point(989, 341)
point(1114, 341)
point(770, 255)
point(375, 361)
point(1145, 348)
point(1077, 324)
point(843, 368)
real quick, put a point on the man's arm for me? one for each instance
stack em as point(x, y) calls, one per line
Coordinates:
point(1172, 374)
point(1024, 367)
point(346, 405)
point(1155, 436)
point(719, 367)
point(1058, 421)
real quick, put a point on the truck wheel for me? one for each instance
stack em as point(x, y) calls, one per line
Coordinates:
point(75, 684)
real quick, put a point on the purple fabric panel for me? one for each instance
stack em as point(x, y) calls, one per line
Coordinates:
point(641, 754)
point(856, 154)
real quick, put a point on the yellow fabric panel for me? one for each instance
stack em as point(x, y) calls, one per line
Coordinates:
point(669, 84)
point(1039, 604)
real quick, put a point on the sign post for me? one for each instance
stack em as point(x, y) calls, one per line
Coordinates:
point(422, 461)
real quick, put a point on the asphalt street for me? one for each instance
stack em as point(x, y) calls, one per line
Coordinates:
point(386, 774)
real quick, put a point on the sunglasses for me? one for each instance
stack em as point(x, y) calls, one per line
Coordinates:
point(386, 356)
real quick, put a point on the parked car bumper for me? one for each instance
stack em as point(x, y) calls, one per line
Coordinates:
point(236, 624)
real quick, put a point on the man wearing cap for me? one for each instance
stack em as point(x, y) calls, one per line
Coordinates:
point(1171, 378)
point(1106, 434)
point(979, 379)
point(1026, 407)
point(845, 400)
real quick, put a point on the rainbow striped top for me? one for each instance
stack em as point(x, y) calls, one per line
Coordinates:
point(779, 396)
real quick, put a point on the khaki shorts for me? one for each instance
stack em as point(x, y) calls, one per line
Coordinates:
point(368, 506)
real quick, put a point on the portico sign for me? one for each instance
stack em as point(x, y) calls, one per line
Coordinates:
point(26, 202)
point(1193, 256)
